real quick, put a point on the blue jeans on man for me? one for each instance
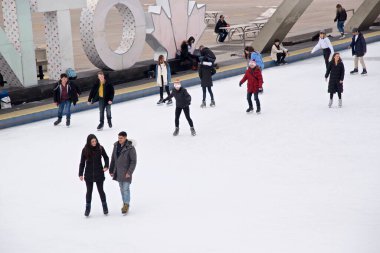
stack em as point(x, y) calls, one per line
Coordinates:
point(103, 105)
point(223, 35)
point(340, 25)
point(64, 104)
point(125, 192)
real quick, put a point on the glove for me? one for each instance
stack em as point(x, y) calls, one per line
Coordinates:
point(239, 84)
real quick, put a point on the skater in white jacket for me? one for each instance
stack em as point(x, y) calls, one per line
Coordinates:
point(324, 44)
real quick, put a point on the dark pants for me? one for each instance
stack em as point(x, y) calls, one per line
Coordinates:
point(339, 95)
point(280, 57)
point(162, 91)
point(256, 97)
point(61, 107)
point(209, 91)
point(222, 35)
point(104, 105)
point(90, 186)
point(178, 111)
point(326, 55)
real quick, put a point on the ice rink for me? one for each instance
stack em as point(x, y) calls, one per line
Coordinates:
point(299, 178)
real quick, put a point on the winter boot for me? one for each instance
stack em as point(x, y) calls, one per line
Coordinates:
point(250, 109)
point(258, 110)
point(105, 208)
point(340, 103)
point(212, 104)
point(170, 102)
point(100, 126)
point(176, 131)
point(68, 122)
point(330, 103)
point(203, 105)
point(364, 73)
point(109, 123)
point(160, 102)
point(59, 120)
point(355, 71)
point(88, 209)
point(193, 133)
point(125, 208)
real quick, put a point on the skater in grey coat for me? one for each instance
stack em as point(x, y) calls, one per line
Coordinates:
point(123, 164)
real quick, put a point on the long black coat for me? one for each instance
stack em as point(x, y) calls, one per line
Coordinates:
point(205, 74)
point(93, 167)
point(182, 97)
point(219, 24)
point(73, 92)
point(336, 73)
point(109, 92)
point(359, 47)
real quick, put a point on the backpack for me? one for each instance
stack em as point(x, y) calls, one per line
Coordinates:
point(71, 74)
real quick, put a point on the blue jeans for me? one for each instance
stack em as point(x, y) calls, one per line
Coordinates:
point(104, 105)
point(61, 108)
point(125, 192)
point(222, 36)
point(340, 25)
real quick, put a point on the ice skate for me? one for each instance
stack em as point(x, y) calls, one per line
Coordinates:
point(249, 110)
point(193, 133)
point(170, 102)
point(160, 102)
point(258, 110)
point(88, 210)
point(100, 127)
point(125, 208)
point(67, 122)
point(57, 122)
point(354, 72)
point(109, 123)
point(340, 103)
point(176, 131)
point(364, 73)
point(212, 104)
point(203, 105)
point(105, 208)
point(330, 103)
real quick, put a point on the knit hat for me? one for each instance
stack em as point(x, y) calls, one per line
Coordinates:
point(355, 30)
point(252, 64)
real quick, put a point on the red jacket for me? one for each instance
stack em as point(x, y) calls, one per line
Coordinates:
point(255, 79)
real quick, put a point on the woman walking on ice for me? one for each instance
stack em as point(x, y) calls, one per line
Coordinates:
point(92, 168)
point(255, 83)
point(335, 70)
point(163, 78)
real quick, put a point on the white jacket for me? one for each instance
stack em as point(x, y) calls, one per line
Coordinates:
point(276, 51)
point(323, 44)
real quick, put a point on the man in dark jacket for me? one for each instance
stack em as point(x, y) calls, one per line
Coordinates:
point(123, 164)
point(222, 32)
point(102, 92)
point(65, 93)
point(340, 18)
point(359, 49)
point(183, 101)
point(206, 71)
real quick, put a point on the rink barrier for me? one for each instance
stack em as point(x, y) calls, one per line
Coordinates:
point(49, 111)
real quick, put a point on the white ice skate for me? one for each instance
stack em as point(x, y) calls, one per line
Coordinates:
point(330, 103)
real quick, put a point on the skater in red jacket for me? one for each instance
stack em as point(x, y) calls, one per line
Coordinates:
point(255, 83)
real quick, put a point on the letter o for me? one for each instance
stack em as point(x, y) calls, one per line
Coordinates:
point(93, 35)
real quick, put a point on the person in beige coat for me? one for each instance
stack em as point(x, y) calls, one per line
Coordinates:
point(279, 52)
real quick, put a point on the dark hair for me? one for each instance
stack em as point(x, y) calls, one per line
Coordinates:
point(276, 40)
point(221, 16)
point(191, 40)
point(101, 73)
point(338, 6)
point(88, 149)
point(250, 50)
point(64, 75)
point(123, 133)
point(161, 57)
point(333, 58)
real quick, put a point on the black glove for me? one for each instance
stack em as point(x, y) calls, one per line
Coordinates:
point(240, 84)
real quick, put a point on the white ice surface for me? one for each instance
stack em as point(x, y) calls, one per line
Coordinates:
point(299, 178)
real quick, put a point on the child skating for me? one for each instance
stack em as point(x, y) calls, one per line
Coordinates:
point(255, 83)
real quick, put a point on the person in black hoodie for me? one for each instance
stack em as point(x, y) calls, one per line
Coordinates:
point(340, 18)
point(206, 71)
point(183, 101)
point(359, 49)
point(222, 32)
point(102, 92)
point(64, 94)
point(92, 168)
point(335, 70)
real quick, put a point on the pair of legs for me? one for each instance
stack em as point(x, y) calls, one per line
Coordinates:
point(332, 95)
point(209, 91)
point(326, 56)
point(125, 192)
point(280, 58)
point(178, 112)
point(356, 61)
point(65, 104)
point(162, 91)
point(223, 35)
point(103, 105)
point(90, 186)
point(256, 97)
point(340, 25)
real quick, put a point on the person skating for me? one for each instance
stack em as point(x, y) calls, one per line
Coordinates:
point(340, 18)
point(183, 101)
point(92, 168)
point(65, 93)
point(255, 82)
point(123, 164)
point(102, 92)
point(206, 71)
point(335, 70)
point(279, 52)
point(163, 78)
point(326, 46)
point(359, 49)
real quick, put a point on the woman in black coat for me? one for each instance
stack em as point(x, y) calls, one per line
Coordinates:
point(92, 167)
point(183, 101)
point(206, 71)
point(335, 70)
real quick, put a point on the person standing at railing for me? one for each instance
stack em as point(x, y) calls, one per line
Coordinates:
point(340, 18)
